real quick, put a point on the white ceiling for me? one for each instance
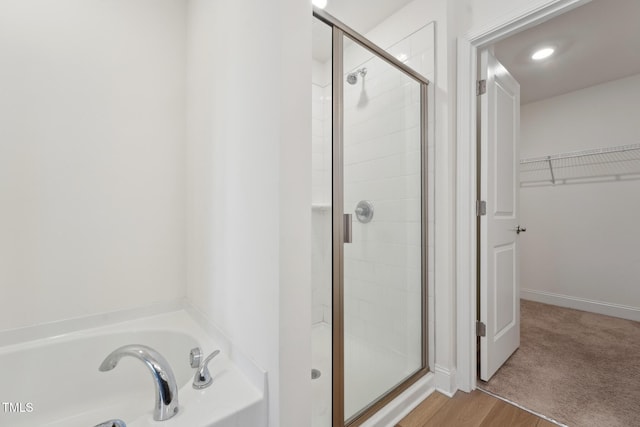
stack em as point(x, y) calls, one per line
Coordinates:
point(361, 15)
point(595, 43)
point(364, 15)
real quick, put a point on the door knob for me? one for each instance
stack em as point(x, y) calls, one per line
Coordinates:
point(520, 230)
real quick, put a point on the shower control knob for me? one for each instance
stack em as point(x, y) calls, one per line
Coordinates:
point(364, 211)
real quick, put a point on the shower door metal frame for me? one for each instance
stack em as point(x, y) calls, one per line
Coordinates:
point(339, 31)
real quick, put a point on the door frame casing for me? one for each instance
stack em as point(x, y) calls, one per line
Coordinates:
point(468, 46)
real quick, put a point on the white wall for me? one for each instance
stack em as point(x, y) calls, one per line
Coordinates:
point(92, 160)
point(582, 239)
point(249, 187)
point(487, 12)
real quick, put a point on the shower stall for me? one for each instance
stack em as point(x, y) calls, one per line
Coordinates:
point(369, 220)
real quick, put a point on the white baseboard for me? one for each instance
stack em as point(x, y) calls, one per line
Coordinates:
point(606, 308)
point(446, 381)
point(400, 407)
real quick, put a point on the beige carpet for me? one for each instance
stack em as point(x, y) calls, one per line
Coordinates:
point(581, 369)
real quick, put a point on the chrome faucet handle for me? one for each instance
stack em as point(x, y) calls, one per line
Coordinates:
point(202, 378)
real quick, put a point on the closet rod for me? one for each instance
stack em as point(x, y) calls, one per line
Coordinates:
point(574, 154)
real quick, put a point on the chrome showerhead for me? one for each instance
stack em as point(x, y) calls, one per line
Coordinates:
point(352, 78)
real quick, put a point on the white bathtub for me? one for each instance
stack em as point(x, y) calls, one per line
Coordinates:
point(55, 381)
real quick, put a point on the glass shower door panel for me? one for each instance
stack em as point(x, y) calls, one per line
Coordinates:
point(382, 265)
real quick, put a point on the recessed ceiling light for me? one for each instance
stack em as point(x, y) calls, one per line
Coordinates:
point(319, 3)
point(542, 53)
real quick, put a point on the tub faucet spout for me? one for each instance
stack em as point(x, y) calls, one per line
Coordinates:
point(165, 383)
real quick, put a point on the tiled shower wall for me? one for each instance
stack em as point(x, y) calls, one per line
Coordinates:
point(382, 266)
point(321, 196)
point(382, 165)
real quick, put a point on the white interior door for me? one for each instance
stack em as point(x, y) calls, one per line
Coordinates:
point(499, 187)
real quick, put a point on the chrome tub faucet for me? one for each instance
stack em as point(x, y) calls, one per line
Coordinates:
point(166, 389)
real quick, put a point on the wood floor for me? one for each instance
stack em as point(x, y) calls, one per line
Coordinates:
point(475, 409)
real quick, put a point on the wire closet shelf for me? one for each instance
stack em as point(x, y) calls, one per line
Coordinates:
point(611, 163)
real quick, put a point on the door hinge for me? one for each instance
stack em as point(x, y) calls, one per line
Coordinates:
point(481, 87)
point(481, 329)
point(481, 207)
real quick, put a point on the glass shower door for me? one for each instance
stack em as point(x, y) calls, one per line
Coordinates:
point(382, 185)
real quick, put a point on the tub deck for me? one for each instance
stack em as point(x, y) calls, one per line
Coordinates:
point(55, 382)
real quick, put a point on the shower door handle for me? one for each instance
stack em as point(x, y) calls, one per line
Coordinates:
point(348, 236)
